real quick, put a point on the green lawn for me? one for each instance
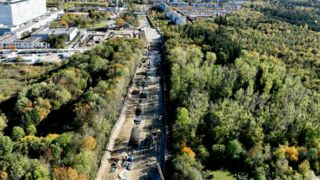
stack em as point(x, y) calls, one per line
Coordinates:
point(98, 25)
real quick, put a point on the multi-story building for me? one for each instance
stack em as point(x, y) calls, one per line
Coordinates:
point(17, 12)
point(20, 16)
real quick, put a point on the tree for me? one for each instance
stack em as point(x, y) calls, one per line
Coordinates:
point(188, 151)
point(4, 175)
point(234, 149)
point(83, 161)
point(3, 123)
point(37, 170)
point(186, 167)
point(181, 129)
point(89, 143)
point(218, 150)
point(120, 22)
point(202, 153)
point(304, 167)
point(17, 133)
point(6, 145)
point(57, 41)
point(211, 58)
point(62, 173)
point(291, 152)
point(18, 166)
point(31, 130)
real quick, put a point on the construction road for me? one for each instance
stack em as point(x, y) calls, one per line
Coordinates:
point(151, 149)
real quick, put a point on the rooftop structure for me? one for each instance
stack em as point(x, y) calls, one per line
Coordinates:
point(15, 13)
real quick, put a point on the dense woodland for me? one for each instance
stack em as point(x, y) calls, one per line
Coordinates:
point(300, 12)
point(56, 128)
point(244, 99)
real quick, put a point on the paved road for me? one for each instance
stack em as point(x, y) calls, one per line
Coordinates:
point(149, 150)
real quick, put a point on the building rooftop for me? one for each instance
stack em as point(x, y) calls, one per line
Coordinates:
point(55, 31)
point(7, 38)
point(11, 1)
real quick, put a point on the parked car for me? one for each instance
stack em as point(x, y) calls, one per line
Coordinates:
point(130, 166)
point(143, 95)
point(138, 111)
point(130, 158)
point(137, 120)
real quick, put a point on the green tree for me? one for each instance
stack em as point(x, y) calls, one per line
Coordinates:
point(37, 170)
point(83, 161)
point(234, 149)
point(186, 167)
point(6, 145)
point(31, 130)
point(181, 129)
point(18, 166)
point(304, 167)
point(17, 133)
point(3, 122)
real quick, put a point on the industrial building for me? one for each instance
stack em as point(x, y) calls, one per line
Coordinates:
point(44, 33)
point(17, 12)
point(174, 16)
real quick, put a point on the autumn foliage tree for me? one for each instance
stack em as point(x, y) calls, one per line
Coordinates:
point(63, 173)
point(89, 143)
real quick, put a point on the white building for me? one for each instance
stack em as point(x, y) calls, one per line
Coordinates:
point(32, 24)
point(10, 42)
point(19, 16)
point(17, 12)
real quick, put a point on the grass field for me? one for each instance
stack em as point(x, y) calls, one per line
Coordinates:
point(98, 25)
point(14, 77)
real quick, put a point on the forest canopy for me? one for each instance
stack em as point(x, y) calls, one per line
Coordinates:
point(244, 94)
point(56, 127)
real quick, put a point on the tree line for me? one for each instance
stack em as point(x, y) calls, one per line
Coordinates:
point(58, 127)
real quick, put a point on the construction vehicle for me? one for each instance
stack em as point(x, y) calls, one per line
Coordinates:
point(134, 140)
